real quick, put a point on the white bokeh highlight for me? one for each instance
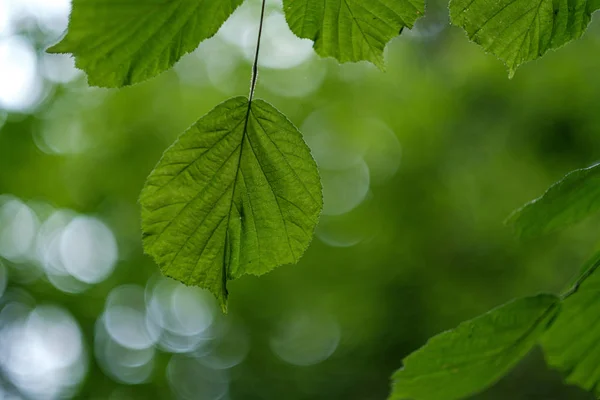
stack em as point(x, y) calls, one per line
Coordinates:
point(306, 338)
point(20, 83)
point(184, 313)
point(229, 347)
point(190, 380)
point(123, 364)
point(18, 229)
point(126, 321)
point(42, 350)
point(88, 249)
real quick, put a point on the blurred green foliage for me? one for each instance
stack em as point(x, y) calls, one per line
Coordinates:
point(424, 250)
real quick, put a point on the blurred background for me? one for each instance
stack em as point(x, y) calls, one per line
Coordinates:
point(420, 167)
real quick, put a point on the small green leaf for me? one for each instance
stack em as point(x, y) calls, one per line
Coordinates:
point(238, 193)
point(518, 31)
point(352, 30)
point(568, 201)
point(477, 353)
point(571, 344)
point(122, 42)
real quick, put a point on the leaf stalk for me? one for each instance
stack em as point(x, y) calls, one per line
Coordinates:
point(256, 55)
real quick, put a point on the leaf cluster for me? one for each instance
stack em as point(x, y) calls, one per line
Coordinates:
point(239, 192)
point(478, 352)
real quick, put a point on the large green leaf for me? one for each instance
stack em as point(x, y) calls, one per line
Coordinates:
point(351, 30)
point(517, 31)
point(477, 353)
point(566, 202)
point(238, 193)
point(572, 343)
point(122, 42)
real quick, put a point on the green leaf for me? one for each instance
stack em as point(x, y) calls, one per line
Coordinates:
point(352, 30)
point(571, 344)
point(566, 202)
point(122, 42)
point(518, 31)
point(477, 353)
point(238, 193)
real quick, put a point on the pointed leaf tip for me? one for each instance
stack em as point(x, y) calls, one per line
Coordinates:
point(519, 31)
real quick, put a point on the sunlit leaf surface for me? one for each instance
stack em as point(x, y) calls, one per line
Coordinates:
point(517, 31)
point(122, 42)
point(571, 344)
point(477, 353)
point(352, 30)
point(568, 201)
point(238, 193)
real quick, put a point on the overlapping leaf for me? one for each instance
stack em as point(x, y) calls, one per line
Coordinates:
point(566, 202)
point(571, 344)
point(351, 30)
point(122, 42)
point(517, 31)
point(469, 358)
point(238, 193)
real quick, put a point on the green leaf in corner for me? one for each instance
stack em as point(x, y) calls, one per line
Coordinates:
point(122, 42)
point(568, 201)
point(571, 344)
point(463, 361)
point(238, 193)
point(518, 31)
point(352, 30)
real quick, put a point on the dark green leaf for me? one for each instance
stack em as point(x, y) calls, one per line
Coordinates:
point(238, 193)
point(477, 353)
point(352, 30)
point(571, 344)
point(122, 42)
point(568, 201)
point(517, 31)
